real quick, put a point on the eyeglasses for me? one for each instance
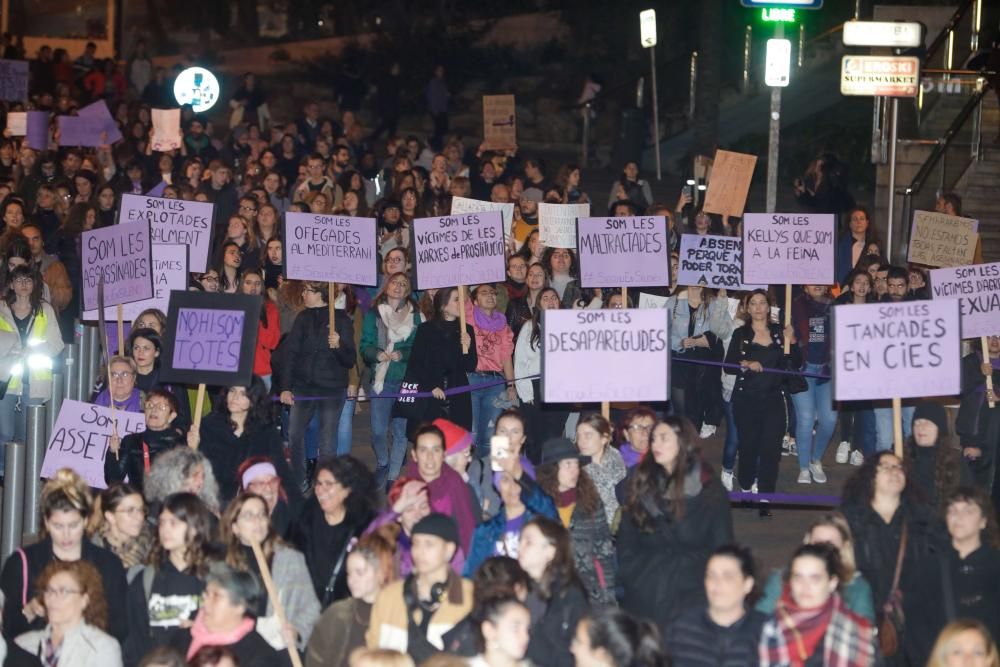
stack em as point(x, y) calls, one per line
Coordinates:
point(24, 281)
point(121, 375)
point(248, 208)
point(158, 407)
point(60, 592)
point(210, 279)
point(640, 427)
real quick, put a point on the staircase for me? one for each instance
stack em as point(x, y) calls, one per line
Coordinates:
point(980, 185)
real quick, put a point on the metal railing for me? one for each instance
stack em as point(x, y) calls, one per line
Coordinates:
point(947, 52)
point(953, 153)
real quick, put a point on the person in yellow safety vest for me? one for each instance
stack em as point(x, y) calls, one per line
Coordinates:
point(29, 342)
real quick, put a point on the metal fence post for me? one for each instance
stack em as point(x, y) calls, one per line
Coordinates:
point(71, 357)
point(34, 455)
point(13, 498)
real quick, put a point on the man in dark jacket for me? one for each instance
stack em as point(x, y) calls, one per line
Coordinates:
point(317, 361)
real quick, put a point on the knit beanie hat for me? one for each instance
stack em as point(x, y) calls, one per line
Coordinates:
point(456, 438)
point(933, 412)
point(438, 525)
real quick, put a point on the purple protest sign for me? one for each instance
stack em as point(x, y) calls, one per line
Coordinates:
point(715, 261)
point(623, 252)
point(174, 221)
point(465, 249)
point(907, 349)
point(330, 248)
point(591, 356)
point(99, 111)
point(37, 130)
point(210, 338)
point(170, 272)
point(122, 255)
point(788, 248)
point(13, 80)
point(977, 288)
point(81, 437)
point(80, 131)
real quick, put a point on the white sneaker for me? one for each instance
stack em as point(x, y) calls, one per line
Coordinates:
point(753, 487)
point(727, 479)
point(843, 451)
point(805, 477)
point(857, 458)
point(816, 468)
point(785, 442)
point(707, 431)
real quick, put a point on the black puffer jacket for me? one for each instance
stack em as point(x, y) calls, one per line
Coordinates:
point(309, 366)
point(552, 632)
point(694, 640)
point(130, 460)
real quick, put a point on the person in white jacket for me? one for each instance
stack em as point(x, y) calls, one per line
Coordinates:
point(544, 421)
point(77, 613)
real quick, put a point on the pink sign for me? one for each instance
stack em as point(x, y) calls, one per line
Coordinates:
point(623, 252)
point(592, 356)
point(81, 437)
point(907, 349)
point(330, 248)
point(977, 288)
point(788, 248)
point(465, 249)
point(121, 254)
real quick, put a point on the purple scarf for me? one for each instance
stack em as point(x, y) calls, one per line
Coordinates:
point(494, 322)
point(132, 404)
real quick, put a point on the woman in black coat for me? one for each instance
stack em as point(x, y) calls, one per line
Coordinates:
point(137, 451)
point(675, 514)
point(438, 362)
point(557, 590)
point(242, 426)
point(959, 582)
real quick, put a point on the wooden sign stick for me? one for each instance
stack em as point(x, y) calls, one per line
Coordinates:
point(121, 332)
point(606, 410)
point(279, 611)
point(461, 316)
point(102, 331)
point(986, 359)
point(331, 298)
point(788, 315)
point(624, 297)
point(199, 406)
point(897, 427)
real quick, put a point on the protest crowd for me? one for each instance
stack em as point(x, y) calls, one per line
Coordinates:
point(496, 528)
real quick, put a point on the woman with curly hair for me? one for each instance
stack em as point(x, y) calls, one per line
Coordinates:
point(77, 614)
point(938, 466)
point(181, 469)
point(65, 506)
point(562, 477)
point(247, 522)
point(241, 425)
point(960, 582)
point(675, 514)
point(342, 506)
point(167, 593)
point(890, 524)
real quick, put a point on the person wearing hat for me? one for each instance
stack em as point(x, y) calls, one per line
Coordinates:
point(458, 456)
point(938, 466)
point(412, 615)
point(578, 503)
point(446, 489)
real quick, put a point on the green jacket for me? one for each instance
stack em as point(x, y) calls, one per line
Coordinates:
point(374, 339)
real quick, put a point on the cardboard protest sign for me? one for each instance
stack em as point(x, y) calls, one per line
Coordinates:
point(331, 248)
point(466, 205)
point(459, 250)
point(788, 248)
point(713, 261)
point(121, 254)
point(652, 301)
point(730, 183)
point(623, 252)
point(605, 355)
point(896, 350)
point(166, 134)
point(937, 239)
point(557, 223)
point(977, 289)
point(499, 122)
point(174, 221)
point(81, 437)
point(210, 338)
point(13, 80)
point(170, 272)
point(99, 111)
point(17, 123)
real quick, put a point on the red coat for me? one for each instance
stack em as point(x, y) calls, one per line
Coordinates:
point(267, 340)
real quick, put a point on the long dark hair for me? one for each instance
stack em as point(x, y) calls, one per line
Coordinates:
point(654, 490)
point(536, 317)
point(354, 476)
point(148, 334)
point(441, 299)
point(574, 263)
point(588, 499)
point(261, 407)
point(628, 640)
point(560, 573)
point(190, 509)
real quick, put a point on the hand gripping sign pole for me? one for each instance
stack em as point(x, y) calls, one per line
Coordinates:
point(272, 593)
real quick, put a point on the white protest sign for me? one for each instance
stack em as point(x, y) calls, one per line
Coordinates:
point(166, 134)
point(557, 223)
point(788, 248)
point(466, 205)
point(977, 288)
point(907, 349)
point(652, 301)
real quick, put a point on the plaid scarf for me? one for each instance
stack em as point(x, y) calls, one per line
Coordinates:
point(792, 635)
